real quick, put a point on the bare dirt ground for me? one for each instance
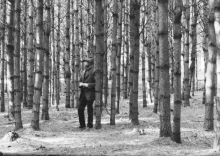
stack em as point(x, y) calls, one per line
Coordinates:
point(60, 135)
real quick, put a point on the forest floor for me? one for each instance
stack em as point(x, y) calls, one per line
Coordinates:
point(61, 136)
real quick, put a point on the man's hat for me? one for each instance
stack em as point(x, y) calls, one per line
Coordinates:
point(88, 59)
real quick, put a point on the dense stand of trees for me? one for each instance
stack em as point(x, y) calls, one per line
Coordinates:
point(42, 43)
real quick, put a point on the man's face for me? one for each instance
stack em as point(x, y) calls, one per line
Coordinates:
point(86, 64)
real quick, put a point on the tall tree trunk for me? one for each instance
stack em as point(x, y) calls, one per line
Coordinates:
point(38, 72)
point(67, 55)
point(10, 61)
point(58, 60)
point(3, 56)
point(193, 44)
point(53, 65)
point(45, 107)
point(156, 79)
point(134, 42)
point(99, 27)
point(165, 124)
point(216, 10)
point(17, 89)
point(89, 20)
point(81, 32)
point(77, 52)
point(205, 45)
point(72, 101)
point(119, 40)
point(177, 70)
point(126, 49)
point(30, 56)
point(105, 61)
point(25, 57)
point(210, 73)
point(113, 59)
point(145, 20)
point(186, 56)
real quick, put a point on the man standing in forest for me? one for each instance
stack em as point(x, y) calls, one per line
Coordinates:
point(87, 93)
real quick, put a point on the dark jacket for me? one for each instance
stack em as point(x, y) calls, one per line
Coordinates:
point(88, 76)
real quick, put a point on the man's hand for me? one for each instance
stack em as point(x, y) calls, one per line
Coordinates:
point(83, 84)
point(86, 85)
point(80, 84)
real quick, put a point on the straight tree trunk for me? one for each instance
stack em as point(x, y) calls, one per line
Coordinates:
point(216, 10)
point(58, 60)
point(186, 56)
point(126, 50)
point(99, 28)
point(177, 70)
point(105, 62)
point(72, 101)
point(165, 124)
point(77, 52)
point(119, 43)
point(38, 72)
point(134, 42)
point(3, 56)
point(67, 55)
point(30, 56)
point(45, 107)
point(210, 73)
point(24, 85)
point(205, 45)
point(17, 89)
point(143, 53)
point(156, 79)
point(113, 59)
point(193, 35)
point(53, 65)
point(81, 32)
point(10, 61)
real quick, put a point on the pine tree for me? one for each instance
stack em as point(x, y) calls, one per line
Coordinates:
point(165, 124)
point(177, 69)
point(3, 56)
point(17, 89)
point(10, 60)
point(67, 55)
point(134, 42)
point(45, 107)
point(38, 72)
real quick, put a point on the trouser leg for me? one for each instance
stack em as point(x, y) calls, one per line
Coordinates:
point(81, 109)
point(90, 113)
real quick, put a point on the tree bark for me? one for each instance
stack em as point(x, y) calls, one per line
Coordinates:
point(17, 89)
point(186, 56)
point(45, 107)
point(119, 43)
point(210, 73)
point(105, 62)
point(67, 55)
point(134, 42)
point(98, 63)
point(113, 59)
point(145, 20)
point(177, 70)
point(24, 85)
point(38, 72)
point(58, 60)
point(30, 56)
point(3, 56)
point(10, 61)
point(216, 10)
point(193, 35)
point(165, 124)
point(72, 101)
